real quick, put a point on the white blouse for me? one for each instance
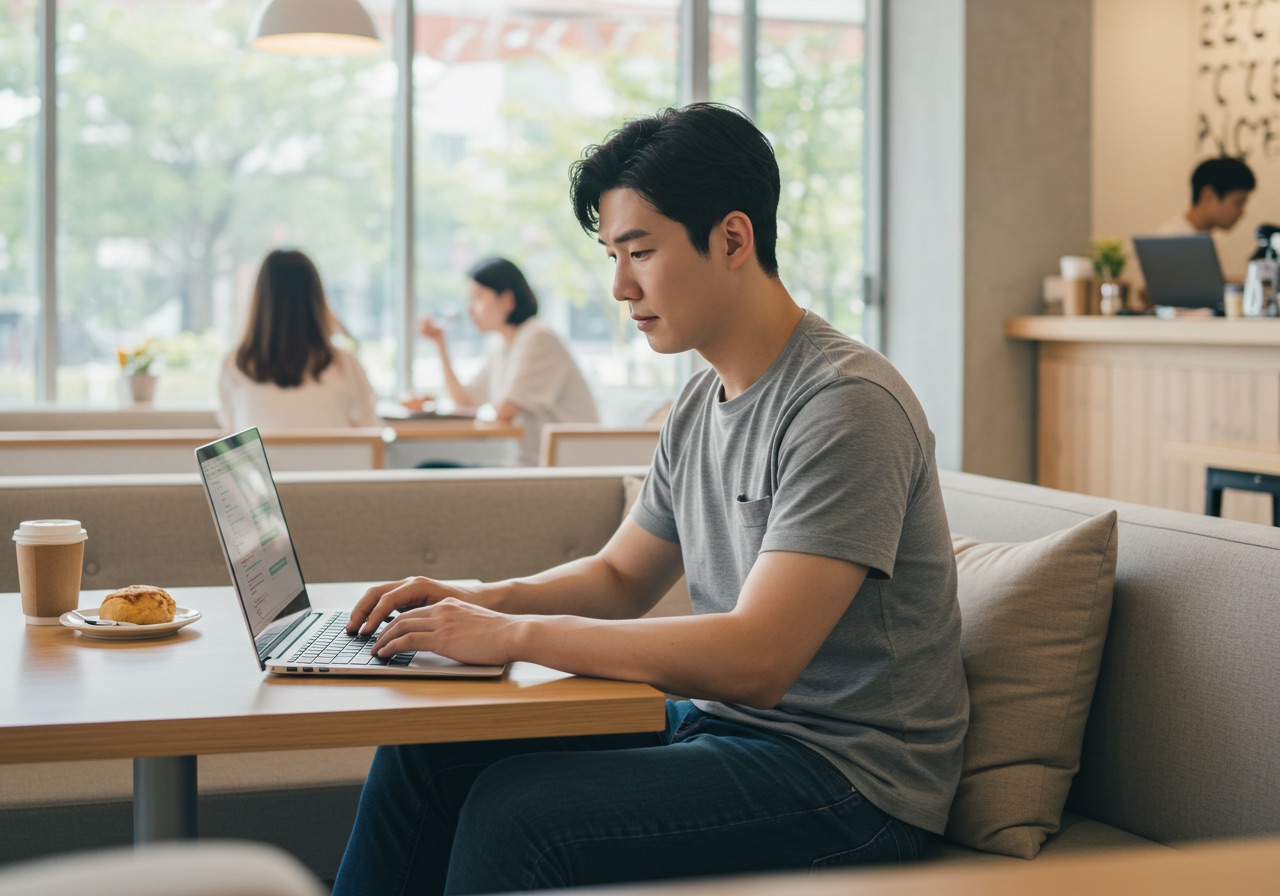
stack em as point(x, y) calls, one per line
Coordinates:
point(341, 397)
point(538, 375)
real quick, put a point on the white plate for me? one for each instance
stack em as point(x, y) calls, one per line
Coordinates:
point(182, 616)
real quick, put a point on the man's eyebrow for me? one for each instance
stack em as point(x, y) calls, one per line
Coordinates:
point(634, 233)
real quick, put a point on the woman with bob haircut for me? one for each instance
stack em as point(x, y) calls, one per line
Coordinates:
point(286, 372)
point(528, 374)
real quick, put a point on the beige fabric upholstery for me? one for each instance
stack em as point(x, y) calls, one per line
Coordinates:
point(170, 869)
point(1034, 620)
point(1182, 733)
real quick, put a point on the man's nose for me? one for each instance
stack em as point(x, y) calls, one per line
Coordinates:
point(624, 287)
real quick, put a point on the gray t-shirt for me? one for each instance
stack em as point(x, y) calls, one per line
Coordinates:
point(829, 453)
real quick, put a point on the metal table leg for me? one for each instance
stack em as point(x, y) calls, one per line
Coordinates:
point(164, 798)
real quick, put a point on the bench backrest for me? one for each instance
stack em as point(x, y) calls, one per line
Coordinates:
point(374, 526)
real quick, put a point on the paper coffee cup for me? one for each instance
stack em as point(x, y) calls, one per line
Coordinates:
point(50, 554)
point(1075, 267)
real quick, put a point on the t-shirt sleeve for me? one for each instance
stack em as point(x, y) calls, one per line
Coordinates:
point(847, 470)
point(538, 372)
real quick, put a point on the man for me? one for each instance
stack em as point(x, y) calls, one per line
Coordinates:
point(795, 485)
point(1220, 189)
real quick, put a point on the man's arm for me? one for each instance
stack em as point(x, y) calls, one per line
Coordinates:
point(624, 580)
point(751, 655)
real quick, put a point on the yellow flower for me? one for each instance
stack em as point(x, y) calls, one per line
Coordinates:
point(136, 360)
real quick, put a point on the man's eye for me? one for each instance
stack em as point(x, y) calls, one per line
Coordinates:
point(641, 253)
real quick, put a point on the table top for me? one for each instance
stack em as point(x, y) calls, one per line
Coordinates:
point(200, 691)
point(1248, 456)
point(442, 428)
point(1146, 329)
point(1233, 866)
point(426, 428)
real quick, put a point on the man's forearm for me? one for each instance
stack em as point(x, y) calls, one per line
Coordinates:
point(588, 587)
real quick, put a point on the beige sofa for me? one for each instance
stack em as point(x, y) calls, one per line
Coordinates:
point(1180, 743)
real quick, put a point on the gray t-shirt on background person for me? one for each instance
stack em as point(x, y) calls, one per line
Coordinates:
point(829, 453)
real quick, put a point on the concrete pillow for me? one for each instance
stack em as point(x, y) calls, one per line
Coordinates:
point(1034, 618)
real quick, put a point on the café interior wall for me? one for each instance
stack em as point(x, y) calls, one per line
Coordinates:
point(1146, 89)
point(987, 156)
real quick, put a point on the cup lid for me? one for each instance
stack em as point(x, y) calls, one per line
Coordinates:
point(49, 532)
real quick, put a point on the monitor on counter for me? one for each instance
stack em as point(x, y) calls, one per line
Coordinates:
point(1181, 271)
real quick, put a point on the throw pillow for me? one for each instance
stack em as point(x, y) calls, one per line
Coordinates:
point(1034, 619)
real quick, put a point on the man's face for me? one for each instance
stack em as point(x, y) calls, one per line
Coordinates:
point(674, 293)
point(1224, 211)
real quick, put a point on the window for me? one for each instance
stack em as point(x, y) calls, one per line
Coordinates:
point(505, 99)
point(809, 100)
point(19, 119)
point(168, 197)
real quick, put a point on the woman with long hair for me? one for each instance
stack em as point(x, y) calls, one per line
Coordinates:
point(528, 374)
point(287, 373)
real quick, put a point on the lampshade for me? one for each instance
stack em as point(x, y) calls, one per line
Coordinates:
point(314, 28)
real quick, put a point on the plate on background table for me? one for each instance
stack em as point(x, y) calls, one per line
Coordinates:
point(183, 616)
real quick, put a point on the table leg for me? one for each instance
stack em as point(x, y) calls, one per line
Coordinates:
point(164, 798)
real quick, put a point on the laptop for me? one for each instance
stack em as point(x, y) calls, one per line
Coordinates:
point(290, 637)
point(1181, 271)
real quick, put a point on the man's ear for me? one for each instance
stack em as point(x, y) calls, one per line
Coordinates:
point(739, 239)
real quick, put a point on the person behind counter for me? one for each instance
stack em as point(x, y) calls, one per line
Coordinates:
point(528, 374)
point(286, 373)
point(1220, 189)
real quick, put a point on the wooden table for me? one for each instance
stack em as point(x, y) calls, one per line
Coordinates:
point(1250, 466)
point(163, 702)
point(1240, 868)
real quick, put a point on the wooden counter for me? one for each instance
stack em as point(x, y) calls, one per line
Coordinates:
point(1113, 391)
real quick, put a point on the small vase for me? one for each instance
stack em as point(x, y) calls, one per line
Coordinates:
point(142, 386)
point(1112, 297)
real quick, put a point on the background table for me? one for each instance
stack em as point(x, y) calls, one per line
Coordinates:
point(165, 701)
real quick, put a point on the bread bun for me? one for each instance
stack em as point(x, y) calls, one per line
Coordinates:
point(139, 604)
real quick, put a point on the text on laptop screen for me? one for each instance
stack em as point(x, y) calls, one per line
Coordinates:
point(251, 521)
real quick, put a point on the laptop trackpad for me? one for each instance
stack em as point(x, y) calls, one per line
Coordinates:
point(426, 661)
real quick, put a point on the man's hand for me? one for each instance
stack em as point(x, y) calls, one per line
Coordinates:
point(381, 601)
point(454, 629)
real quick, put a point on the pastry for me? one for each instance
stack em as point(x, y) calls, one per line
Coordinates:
point(139, 604)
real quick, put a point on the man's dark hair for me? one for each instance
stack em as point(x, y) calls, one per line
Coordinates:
point(692, 165)
point(1222, 175)
point(501, 275)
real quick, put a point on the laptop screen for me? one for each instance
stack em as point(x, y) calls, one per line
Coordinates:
point(1181, 271)
point(250, 520)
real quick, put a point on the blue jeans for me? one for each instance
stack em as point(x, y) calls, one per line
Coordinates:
point(705, 796)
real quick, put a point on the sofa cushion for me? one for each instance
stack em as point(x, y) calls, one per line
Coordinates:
point(1034, 619)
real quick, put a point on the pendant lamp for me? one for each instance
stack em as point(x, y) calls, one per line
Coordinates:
point(314, 28)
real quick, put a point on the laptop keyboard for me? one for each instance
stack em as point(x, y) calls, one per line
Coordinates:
point(331, 645)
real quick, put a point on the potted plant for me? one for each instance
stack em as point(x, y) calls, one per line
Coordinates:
point(1109, 259)
point(136, 369)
